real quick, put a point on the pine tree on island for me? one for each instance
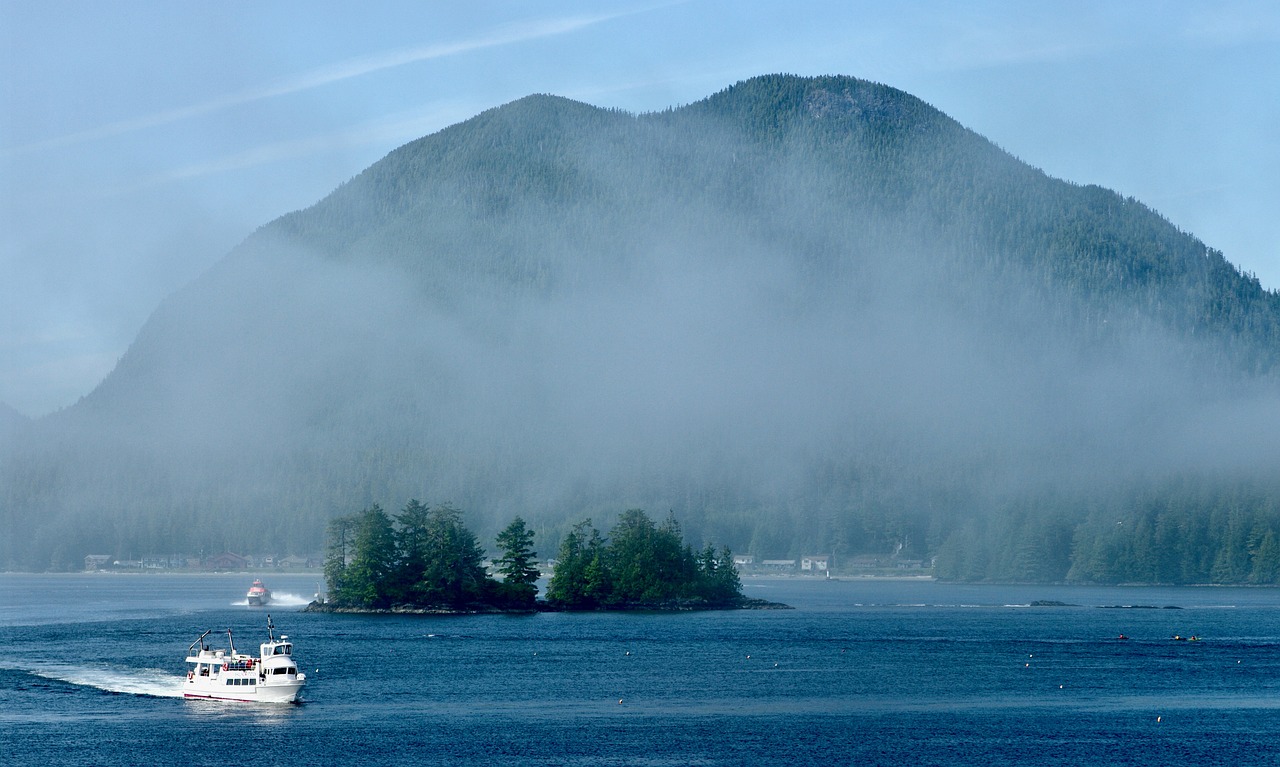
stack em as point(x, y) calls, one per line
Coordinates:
point(517, 565)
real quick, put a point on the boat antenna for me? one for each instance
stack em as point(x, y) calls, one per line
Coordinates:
point(271, 629)
point(231, 642)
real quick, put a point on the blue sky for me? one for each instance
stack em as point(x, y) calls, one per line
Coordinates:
point(140, 141)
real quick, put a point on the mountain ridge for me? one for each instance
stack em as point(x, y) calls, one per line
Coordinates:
point(810, 313)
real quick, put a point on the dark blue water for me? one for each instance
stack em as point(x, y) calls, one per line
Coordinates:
point(862, 672)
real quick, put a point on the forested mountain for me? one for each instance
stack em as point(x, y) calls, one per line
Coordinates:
point(10, 422)
point(808, 315)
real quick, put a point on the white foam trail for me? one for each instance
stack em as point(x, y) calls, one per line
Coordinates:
point(141, 681)
point(280, 599)
point(290, 600)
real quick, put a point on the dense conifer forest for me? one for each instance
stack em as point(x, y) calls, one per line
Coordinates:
point(640, 565)
point(426, 559)
point(810, 315)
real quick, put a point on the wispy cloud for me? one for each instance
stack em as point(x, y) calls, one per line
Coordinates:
point(345, 70)
point(387, 131)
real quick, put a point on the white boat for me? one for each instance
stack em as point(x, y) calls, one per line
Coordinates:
point(269, 677)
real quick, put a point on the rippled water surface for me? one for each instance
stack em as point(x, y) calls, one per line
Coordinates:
point(861, 672)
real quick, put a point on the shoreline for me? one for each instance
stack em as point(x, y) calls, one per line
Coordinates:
point(745, 578)
point(834, 578)
point(746, 603)
point(217, 573)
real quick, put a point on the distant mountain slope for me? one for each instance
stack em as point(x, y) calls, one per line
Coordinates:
point(807, 314)
point(10, 421)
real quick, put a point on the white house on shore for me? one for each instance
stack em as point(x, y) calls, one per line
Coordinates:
point(815, 563)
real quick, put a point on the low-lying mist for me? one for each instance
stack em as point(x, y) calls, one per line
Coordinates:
point(710, 327)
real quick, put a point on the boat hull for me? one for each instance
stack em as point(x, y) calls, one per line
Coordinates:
point(281, 694)
point(232, 686)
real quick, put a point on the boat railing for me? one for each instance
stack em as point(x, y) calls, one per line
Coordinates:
point(200, 641)
point(242, 664)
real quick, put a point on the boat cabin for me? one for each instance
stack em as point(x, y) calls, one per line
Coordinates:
point(231, 675)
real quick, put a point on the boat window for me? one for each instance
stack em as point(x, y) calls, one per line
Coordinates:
point(253, 682)
point(288, 649)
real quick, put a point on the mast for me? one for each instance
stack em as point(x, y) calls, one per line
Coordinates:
point(199, 641)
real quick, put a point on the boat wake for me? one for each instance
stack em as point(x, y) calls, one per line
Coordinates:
point(279, 599)
point(151, 682)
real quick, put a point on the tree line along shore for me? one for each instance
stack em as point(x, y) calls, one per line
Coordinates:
point(425, 560)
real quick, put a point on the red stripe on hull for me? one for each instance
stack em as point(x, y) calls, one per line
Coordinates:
point(215, 697)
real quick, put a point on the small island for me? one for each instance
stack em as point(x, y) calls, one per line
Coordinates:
point(424, 560)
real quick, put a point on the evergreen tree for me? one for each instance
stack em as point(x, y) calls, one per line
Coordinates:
point(341, 546)
point(1265, 555)
point(581, 578)
point(718, 579)
point(415, 550)
point(517, 563)
point(452, 561)
point(369, 577)
point(649, 564)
